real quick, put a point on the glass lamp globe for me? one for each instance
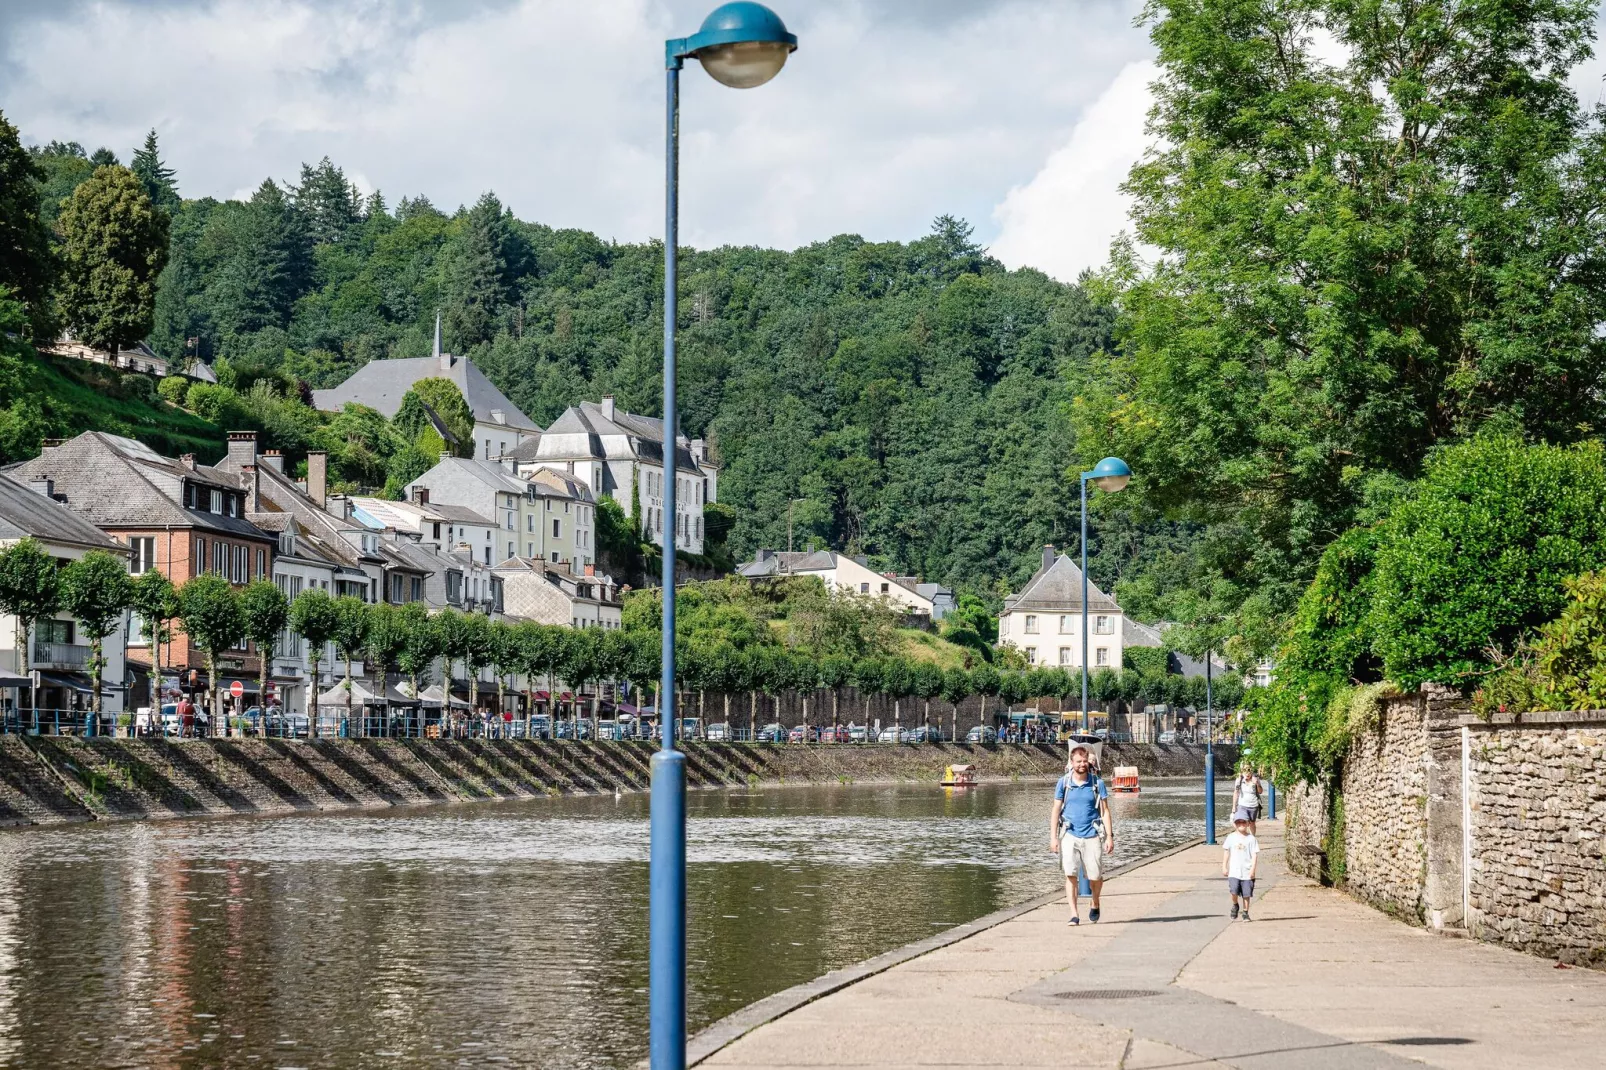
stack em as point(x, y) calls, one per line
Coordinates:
point(1111, 474)
point(744, 64)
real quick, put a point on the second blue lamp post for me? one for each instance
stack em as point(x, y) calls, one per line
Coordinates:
point(741, 45)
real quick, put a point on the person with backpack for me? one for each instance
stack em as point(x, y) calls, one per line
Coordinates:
point(1080, 823)
point(1246, 794)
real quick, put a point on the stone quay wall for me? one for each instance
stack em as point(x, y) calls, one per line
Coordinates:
point(1497, 828)
point(56, 779)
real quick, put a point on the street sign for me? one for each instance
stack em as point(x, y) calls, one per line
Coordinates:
point(272, 689)
point(237, 689)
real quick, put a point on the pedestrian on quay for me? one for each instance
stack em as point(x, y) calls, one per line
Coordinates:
point(1246, 795)
point(1240, 854)
point(1081, 821)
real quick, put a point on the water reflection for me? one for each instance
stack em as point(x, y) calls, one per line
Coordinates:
point(508, 933)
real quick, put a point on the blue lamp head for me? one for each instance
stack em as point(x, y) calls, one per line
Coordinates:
point(1110, 474)
point(740, 44)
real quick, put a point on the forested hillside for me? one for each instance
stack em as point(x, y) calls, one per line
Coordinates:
point(914, 396)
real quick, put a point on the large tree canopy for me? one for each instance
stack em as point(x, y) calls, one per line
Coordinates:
point(1379, 229)
point(114, 244)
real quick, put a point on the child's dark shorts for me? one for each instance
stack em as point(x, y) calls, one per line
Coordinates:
point(1243, 888)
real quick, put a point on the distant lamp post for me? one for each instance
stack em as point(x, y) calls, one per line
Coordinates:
point(1109, 475)
point(741, 45)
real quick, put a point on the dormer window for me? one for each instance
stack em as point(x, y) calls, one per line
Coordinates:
point(216, 502)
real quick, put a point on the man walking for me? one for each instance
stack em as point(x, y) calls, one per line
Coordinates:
point(1081, 821)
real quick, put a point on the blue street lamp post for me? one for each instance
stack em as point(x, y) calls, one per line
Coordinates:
point(1109, 475)
point(1210, 759)
point(741, 45)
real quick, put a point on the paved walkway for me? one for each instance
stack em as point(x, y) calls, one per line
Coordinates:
point(1316, 980)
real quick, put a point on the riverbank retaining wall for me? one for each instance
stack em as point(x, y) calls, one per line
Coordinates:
point(55, 779)
point(1497, 827)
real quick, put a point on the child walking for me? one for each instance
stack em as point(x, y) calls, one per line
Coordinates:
point(1241, 853)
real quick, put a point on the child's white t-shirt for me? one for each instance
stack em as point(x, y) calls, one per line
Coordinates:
point(1241, 851)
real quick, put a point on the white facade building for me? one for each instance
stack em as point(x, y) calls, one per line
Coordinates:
point(1044, 620)
point(842, 573)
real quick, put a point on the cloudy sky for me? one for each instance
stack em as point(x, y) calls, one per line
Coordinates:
point(1020, 115)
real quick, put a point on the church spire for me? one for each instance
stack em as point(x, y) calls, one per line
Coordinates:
point(442, 359)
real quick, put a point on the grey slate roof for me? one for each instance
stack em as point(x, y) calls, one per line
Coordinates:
point(24, 512)
point(112, 482)
point(381, 385)
point(782, 562)
point(524, 452)
point(1059, 588)
point(646, 433)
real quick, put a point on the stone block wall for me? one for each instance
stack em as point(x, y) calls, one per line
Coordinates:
point(1498, 827)
point(1385, 809)
point(1537, 849)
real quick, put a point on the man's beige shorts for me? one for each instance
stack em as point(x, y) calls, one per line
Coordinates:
point(1081, 854)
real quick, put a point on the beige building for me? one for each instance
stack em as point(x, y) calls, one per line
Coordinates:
point(1044, 620)
point(551, 594)
point(550, 516)
point(852, 575)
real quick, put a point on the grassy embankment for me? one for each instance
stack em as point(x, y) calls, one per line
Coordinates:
point(75, 396)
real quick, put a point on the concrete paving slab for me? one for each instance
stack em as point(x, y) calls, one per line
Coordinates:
point(1167, 981)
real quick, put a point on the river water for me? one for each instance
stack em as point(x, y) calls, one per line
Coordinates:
point(506, 934)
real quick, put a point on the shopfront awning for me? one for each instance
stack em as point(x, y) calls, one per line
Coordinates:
point(71, 681)
point(11, 679)
point(432, 697)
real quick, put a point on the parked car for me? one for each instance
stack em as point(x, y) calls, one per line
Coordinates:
point(926, 733)
point(540, 726)
point(858, 733)
point(804, 734)
point(607, 729)
point(718, 732)
point(774, 732)
point(691, 728)
point(1168, 737)
point(982, 733)
point(889, 735)
point(835, 734)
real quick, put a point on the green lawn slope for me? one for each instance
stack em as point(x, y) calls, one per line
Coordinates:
point(74, 396)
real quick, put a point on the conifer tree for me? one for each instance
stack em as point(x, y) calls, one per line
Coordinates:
point(155, 176)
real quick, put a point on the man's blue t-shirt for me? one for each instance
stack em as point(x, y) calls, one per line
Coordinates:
point(1081, 801)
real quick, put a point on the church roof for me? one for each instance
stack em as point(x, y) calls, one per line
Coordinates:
point(381, 385)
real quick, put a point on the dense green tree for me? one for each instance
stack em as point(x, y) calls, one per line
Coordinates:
point(328, 204)
point(267, 615)
point(97, 591)
point(114, 244)
point(315, 619)
point(27, 265)
point(1379, 229)
point(154, 176)
point(209, 609)
point(352, 617)
point(30, 590)
point(154, 599)
point(429, 407)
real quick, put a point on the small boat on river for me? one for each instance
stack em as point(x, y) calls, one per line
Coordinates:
point(959, 776)
point(1125, 779)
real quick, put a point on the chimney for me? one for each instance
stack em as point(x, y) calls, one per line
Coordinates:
point(421, 495)
point(1048, 556)
point(446, 455)
point(338, 506)
point(591, 570)
point(607, 406)
point(52, 443)
point(763, 555)
point(43, 485)
point(242, 448)
point(317, 476)
point(444, 360)
point(253, 487)
point(187, 460)
point(274, 460)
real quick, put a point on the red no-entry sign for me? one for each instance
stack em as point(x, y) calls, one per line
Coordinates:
point(237, 689)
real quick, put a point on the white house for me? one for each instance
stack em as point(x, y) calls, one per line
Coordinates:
point(852, 575)
point(1044, 619)
point(621, 454)
point(438, 524)
point(59, 654)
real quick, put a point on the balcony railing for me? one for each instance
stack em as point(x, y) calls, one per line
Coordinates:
point(69, 656)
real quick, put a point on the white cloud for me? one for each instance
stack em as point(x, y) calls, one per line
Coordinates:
point(889, 115)
point(1064, 219)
